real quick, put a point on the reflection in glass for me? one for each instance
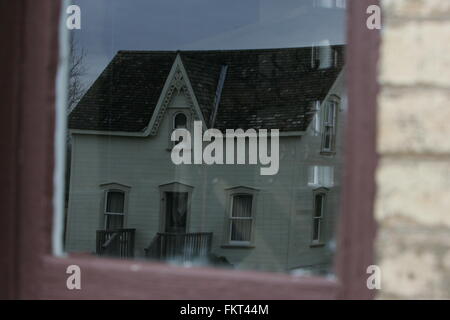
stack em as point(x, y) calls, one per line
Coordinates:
point(271, 65)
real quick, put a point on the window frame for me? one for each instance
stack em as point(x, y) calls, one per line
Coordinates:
point(106, 214)
point(177, 113)
point(230, 194)
point(172, 128)
point(333, 101)
point(114, 187)
point(323, 192)
point(28, 131)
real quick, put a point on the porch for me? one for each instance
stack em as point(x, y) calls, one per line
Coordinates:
point(180, 246)
point(117, 243)
point(185, 247)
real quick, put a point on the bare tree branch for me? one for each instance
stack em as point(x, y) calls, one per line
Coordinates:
point(76, 72)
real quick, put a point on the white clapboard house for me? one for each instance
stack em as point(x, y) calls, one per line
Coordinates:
point(128, 199)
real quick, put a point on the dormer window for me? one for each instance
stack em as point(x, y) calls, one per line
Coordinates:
point(322, 56)
point(179, 122)
point(329, 126)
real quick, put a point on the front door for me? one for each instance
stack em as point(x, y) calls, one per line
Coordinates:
point(176, 212)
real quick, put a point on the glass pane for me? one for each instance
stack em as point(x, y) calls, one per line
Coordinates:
point(242, 206)
point(250, 81)
point(114, 221)
point(318, 205)
point(241, 230)
point(180, 121)
point(327, 139)
point(176, 212)
point(115, 202)
point(316, 229)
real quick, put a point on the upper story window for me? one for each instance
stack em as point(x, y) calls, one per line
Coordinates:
point(114, 209)
point(179, 122)
point(329, 125)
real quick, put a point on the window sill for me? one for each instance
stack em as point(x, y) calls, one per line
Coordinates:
point(237, 246)
point(328, 153)
point(317, 245)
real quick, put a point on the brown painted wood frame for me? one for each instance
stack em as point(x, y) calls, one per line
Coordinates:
point(28, 270)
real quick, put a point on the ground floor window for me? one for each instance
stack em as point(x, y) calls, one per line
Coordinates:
point(114, 209)
point(241, 218)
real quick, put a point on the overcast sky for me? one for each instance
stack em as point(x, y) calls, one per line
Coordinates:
point(108, 26)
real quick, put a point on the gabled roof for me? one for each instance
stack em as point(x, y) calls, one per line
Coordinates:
point(264, 88)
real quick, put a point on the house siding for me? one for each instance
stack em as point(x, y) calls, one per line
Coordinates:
point(284, 202)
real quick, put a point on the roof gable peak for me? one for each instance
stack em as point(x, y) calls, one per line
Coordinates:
point(176, 82)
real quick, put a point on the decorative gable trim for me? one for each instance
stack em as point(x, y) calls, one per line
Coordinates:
point(177, 81)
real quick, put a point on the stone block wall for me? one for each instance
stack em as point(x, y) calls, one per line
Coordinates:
point(413, 179)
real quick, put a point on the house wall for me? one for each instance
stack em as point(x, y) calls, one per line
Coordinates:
point(283, 220)
point(308, 155)
point(413, 197)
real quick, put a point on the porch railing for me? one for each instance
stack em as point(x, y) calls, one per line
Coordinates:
point(116, 243)
point(180, 246)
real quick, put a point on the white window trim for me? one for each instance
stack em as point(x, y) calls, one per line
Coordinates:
point(175, 115)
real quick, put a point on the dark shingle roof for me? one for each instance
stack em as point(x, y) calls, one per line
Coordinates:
point(264, 88)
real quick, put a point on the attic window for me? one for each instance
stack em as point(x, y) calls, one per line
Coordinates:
point(329, 126)
point(179, 121)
